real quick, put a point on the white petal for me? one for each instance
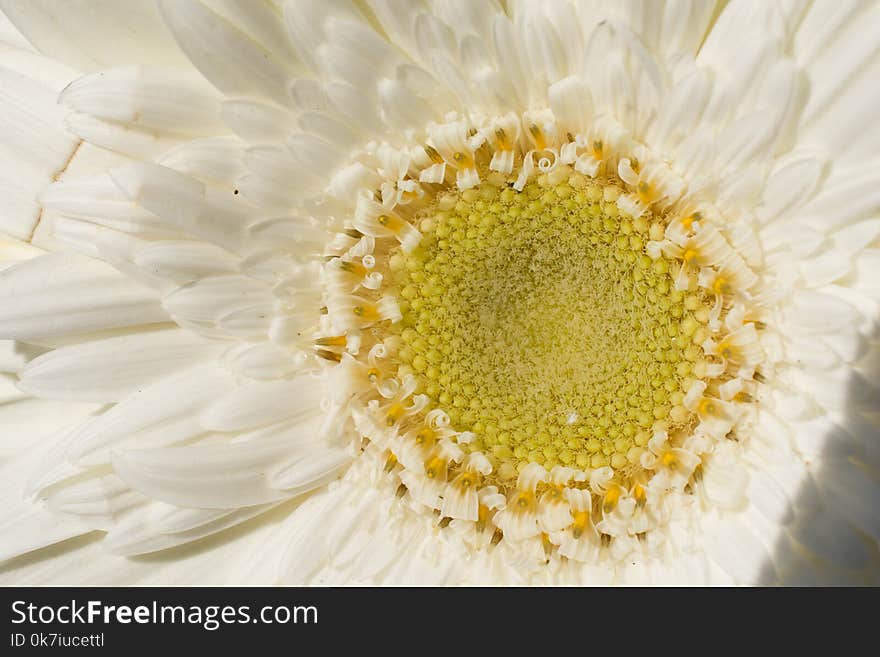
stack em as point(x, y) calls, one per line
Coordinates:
point(36, 145)
point(62, 294)
point(820, 313)
point(219, 559)
point(136, 533)
point(263, 403)
point(160, 414)
point(733, 545)
point(206, 476)
point(216, 160)
point(176, 101)
point(183, 201)
point(98, 200)
point(204, 303)
point(258, 123)
point(98, 34)
point(128, 140)
point(572, 104)
point(232, 60)
point(108, 370)
point(184, 261)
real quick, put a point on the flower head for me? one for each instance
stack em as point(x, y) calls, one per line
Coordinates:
point(446, 292)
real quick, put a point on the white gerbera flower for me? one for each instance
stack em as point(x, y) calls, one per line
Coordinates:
point(439, 292)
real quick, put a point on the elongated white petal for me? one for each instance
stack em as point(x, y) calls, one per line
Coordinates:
point(261, 403)
point(166, 100)
point(215, 160)
point(96, 35)
point(230, 58)
point(210, 476)
point(36, 145)
point(136, 534)
point(182, 201)
point(160, 414)
point(108, 370)
point(64, 294)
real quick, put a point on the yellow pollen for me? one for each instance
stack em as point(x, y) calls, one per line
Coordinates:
point(483, 514)
point(580, 523)
point(355, 268)
point(598, 149)
point(462, 160)
point(433, 155)
point(726, 350)
point(369, 312)
point(538, 136)
point(425, 437)
point(688, 220)
point(502, 140)
point(525, 501)
point(691, 257)
point(721, 286)
point(640, 495)
point(553, 493)
point(326, 354)
point(395, 412)
point(466, 480)
point(332, 341)
point(706, 407)
point(669, 459)
point(390, 462)
point(435, 467)
point(612, 496)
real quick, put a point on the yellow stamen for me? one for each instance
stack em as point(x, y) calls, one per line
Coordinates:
point(691, 257)
point(581, 522)
point(433, 155)
point(355, 268)
point(462, 160)
point(332, 341)
point(466, 480)
point(688, 221)
point(640, 495)
point(502, 140)
point(482, 517)
point(329, 355)
point(435, 467)
point(367, 312)
point(538, 136)
point(524, 501)
point(669, 459)
point(612, 496)
point(395, 412)
point(722, 286)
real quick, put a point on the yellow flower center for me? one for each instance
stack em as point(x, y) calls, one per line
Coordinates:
point(536, 320)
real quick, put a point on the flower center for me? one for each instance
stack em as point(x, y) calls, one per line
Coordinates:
point(536, 320)
point(539, 335)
